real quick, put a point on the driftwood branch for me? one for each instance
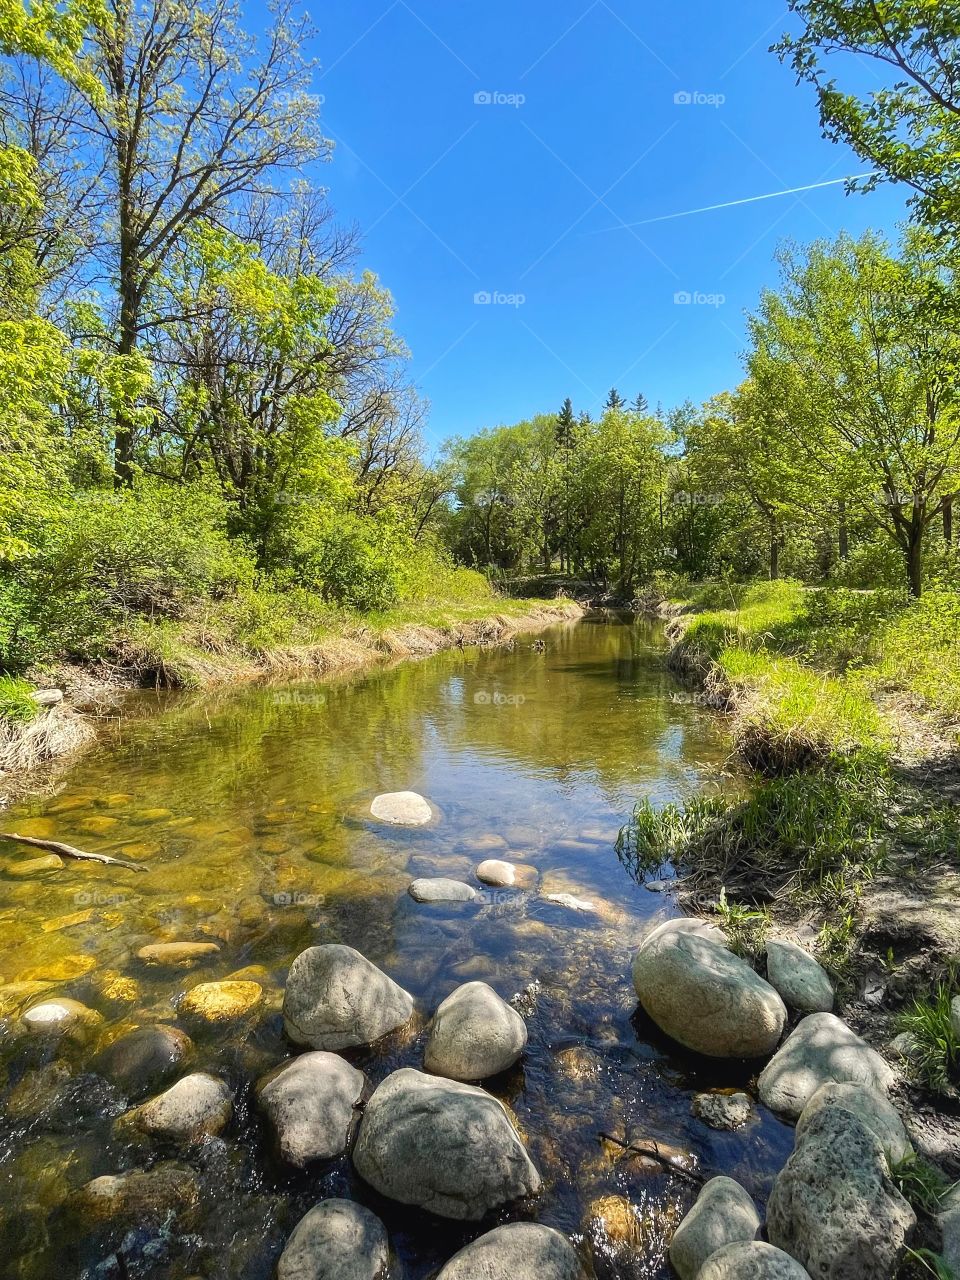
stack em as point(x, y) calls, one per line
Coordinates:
point(652, 1151)
point(68, 851)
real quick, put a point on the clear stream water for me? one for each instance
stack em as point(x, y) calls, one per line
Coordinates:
point(250, 808)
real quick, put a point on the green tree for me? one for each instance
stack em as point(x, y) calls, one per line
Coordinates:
point(908, 129)
point(857, 363)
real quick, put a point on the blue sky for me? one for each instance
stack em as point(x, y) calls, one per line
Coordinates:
point(509, 149)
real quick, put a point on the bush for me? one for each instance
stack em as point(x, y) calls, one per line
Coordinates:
point(152, 550)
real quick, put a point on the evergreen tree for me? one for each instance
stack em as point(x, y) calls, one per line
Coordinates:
point(614, 400)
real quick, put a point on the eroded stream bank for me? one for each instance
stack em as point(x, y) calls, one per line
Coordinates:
point(252, 813)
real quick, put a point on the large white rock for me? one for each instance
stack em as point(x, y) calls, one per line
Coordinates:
point(197, 1106)
point(872, 1108)
point(336, 999)
point(821, 1050)
point(802, 982)
point(503, 875)
point(704, 996)
point(752, 1261)
point(402, 809)
point(336, 1240)
point(474, 1034)
point(445, 1146)
point(54, 1017)
point(310, 1104)
point(723, 1214)
point(518, 1251)
point(834, 1207)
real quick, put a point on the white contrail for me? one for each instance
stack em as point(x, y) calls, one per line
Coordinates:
point(730, 204)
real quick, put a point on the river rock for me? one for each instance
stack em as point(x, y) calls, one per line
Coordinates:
point(570, 901)
point(751, 1261)
point(801, 981)
point(336, 999)
point(501, 874)
point(143, 1060)
point(55, 1017)
point(445, 1146)
point(955, 1015)
point(138, 1198)
point(336, 1240)
point(27, 867)
point(723, 1110)
point(177, 955)
point(704, 996)
point(218, 1004)
point(474, 1034)
point(402, 809)
point(950, 1234)
point(871, 1108)
point(310, 1104)
point(821, 1050)
point(198, 1106)
point(834, 1207)
point(723, 1214)
point(518, 1251)
point(440, 889)
point(47, 697)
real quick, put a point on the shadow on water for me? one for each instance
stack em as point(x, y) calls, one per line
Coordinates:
point(251, 811)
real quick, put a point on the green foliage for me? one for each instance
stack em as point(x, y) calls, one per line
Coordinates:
point(805, 828)
point(17, 706)
point(921, 1184)
point(906, 125)
point(936, 1050)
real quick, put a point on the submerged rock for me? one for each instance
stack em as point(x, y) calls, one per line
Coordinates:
point(723, 1214)
point(821, 1050)
point(336, 1240)
point(402, 808)
point(518, 1251)
point(144, 1059)
point(27, 867)
point(138, 1198)
point(445, 1146)
point(441, 889)
point(570, 901)
point(310, 1105)
point(801, 981)
point(217, 1004)
point(834, 1206)
point(474, 1034)
point(752, 1261)
point(56, 1017)
point(705, 997)
point(336, 999)
point(177, 955)
point(198, 1106)
point(723, 1110)
point(873, 1109)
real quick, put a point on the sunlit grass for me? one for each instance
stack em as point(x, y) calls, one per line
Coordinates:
point(17, 706)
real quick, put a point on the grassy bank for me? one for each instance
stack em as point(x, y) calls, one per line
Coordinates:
point(846, 704)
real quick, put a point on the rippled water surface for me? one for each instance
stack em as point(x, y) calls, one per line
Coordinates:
point(251, 810)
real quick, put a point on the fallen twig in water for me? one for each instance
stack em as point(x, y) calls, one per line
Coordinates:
point(68, 851)
point(652, 1151)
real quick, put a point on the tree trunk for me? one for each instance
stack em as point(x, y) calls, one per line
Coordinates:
point(843, 533)
point(948, 519)
point(914, 555)
point(774, 556)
